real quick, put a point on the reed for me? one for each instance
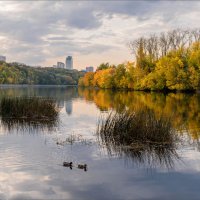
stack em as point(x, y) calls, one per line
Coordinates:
point(28, 111)
point(139, 135)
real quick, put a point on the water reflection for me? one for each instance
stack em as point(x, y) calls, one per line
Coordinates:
point(21, 125)
point(31, 164)
point(68, 107)
point(183, 108)
point(62, 95)
point(59, 93)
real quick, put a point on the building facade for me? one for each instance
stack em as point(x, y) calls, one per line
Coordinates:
point(69, 62)
point(3, 58)
point(89, 69)
point(60, 65)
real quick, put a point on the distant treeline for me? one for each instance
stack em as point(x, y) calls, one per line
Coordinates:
point(22, 74)
point(169, 61)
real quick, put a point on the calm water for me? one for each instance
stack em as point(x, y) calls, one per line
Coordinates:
point(31, 159)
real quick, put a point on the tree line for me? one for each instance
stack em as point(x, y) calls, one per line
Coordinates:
point(168, 61)
point(13, 73)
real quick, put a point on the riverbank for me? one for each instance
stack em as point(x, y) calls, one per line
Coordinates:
point(164, 91)
point(36, 85)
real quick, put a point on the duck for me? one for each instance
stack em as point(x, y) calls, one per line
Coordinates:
point(82, 166)
point(67, 164)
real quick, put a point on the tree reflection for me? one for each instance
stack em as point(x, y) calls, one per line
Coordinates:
point(184, 109)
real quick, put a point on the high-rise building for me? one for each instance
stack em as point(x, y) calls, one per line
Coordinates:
point(69, 62)
point(89, 69)
point(3, 58)
point(60, 65)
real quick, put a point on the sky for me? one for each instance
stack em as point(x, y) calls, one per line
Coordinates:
point(93, 32)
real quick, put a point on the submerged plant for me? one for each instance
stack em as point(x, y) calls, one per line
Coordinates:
point(139, 135)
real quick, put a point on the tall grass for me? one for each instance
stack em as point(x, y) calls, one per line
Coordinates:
point(28, 111)
point(139, 135)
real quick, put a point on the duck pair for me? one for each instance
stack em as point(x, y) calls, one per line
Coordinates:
point(70, 164)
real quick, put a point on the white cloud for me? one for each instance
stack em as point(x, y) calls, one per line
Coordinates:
point(41, 32)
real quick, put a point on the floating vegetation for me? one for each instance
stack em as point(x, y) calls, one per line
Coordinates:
point(75, 138)
point(140, 136)
point(28, 112)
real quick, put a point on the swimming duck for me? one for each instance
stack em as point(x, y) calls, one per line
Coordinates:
point(82, 166)
point(67, 164)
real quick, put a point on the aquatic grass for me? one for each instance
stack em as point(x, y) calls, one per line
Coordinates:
point(74, 139)
point(28, 107)
point(139, 135)
point(26, 112)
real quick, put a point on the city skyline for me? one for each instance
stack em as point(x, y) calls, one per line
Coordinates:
point(67, 65)
point(89, 31)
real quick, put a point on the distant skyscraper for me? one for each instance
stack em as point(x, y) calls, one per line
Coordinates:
point(3, 58)
point(89, 69)
point(60, 65)
point(69, 62)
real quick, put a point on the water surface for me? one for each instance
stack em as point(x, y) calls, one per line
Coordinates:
point(31, 159)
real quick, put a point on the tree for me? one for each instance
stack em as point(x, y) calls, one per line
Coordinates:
point(88, 78)
point(103, 66)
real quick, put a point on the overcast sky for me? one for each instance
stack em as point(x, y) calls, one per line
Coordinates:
point(42, 32)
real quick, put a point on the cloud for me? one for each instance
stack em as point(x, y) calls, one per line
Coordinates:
point(40, 30)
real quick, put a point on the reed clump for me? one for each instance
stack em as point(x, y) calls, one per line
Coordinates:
point(139, 135)
point(27, 107)
point(28, 111)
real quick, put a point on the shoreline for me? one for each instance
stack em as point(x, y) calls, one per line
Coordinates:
point(32, 85)
point(166, 91)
